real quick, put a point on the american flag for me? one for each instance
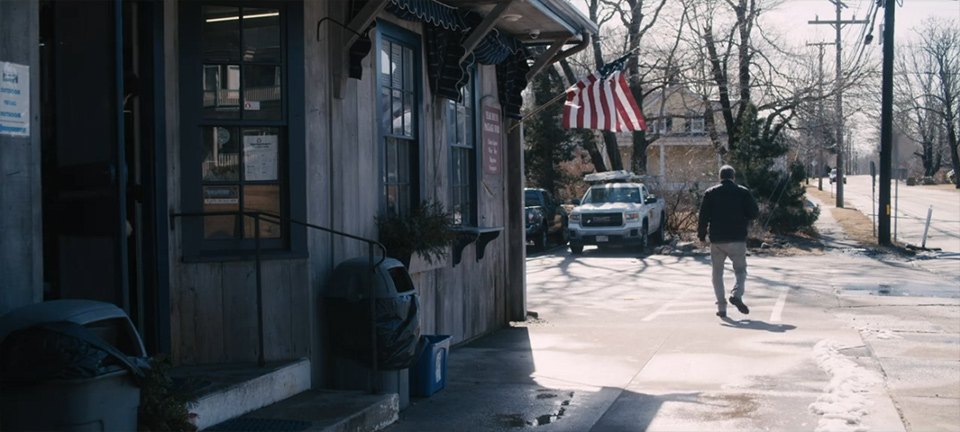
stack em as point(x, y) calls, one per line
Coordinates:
point(602, 100)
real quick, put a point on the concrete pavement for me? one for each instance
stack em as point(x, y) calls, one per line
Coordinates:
point(837, 341)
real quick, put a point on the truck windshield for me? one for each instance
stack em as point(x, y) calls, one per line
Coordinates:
point(600, 195)
point(531, 198)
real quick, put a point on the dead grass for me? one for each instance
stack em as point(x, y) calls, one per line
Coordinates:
point(944, 186)
point(856, 225)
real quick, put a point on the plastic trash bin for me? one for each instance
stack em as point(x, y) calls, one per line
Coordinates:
point(69, 365)
point(429, 375)
point(396, 322)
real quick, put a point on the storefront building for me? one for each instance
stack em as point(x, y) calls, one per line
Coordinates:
point(142, 143)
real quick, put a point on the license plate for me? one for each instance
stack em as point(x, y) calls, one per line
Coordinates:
point(602, 238)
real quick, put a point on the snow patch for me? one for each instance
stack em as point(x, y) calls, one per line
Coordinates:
point(844, 401)
point(880, 333)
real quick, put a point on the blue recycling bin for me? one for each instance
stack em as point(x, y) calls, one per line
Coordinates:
point(429, 375)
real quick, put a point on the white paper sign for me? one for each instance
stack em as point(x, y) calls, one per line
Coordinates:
point(260, 157)
point(14, 99)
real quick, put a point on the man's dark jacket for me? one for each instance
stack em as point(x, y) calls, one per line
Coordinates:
point(727, 209)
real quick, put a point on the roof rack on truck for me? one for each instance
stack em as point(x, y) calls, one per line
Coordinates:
point(618, 176)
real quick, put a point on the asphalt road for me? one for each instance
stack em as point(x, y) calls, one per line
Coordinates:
point(911, 204)
point(623, 341)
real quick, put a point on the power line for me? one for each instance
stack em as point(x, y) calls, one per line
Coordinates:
point(838, 25)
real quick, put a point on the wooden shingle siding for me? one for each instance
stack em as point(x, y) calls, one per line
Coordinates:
point(214, 303)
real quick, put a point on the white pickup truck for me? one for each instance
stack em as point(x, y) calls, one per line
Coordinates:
point(616, 210)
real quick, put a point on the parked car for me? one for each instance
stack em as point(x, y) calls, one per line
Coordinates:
point(618, 210)
point(545, 218)
point(833, 176)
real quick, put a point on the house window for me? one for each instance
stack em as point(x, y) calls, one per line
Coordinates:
point(399, 97)
point(693, 125)
point(661, 126)
point(461, 118)
point(238, 139)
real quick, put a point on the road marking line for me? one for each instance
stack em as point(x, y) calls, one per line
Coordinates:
point(665, 306)
point(777, 313)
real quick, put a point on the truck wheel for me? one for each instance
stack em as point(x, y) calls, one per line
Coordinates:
point(576, 249)
point(540, 241)
point(644, 237)
point(658, 236)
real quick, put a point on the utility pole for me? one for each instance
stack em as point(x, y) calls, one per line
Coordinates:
point(886, 125)
point(820, 46)
point(838, 24)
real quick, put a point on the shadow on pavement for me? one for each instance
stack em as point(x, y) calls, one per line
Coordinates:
point(498, 382)
point(635, 411)
point(750, 324)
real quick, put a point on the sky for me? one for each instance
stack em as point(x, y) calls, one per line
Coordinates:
point(789, 20)
point(795, 14)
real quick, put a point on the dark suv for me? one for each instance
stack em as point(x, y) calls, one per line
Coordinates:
point(545, 217)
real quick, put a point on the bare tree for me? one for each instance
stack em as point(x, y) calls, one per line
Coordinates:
point(746, 68)
point(941, 42)
point(918, 108)
point(637, 17)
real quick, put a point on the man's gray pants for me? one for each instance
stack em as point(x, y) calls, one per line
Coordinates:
point(737, 252)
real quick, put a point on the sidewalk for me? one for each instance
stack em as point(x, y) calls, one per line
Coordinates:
point(839, 341)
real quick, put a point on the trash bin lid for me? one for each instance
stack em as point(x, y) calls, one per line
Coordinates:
point(349, 280)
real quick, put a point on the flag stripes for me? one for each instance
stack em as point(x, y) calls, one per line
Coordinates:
point(605, 103)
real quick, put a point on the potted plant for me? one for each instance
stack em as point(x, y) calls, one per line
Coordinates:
point(425, 230)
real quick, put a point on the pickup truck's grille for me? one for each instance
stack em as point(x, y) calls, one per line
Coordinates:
point(602, 219)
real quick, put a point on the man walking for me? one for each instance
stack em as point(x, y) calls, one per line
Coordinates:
point(726, 211)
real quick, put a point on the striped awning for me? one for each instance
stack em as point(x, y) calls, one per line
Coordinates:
point(429, 11)
point(447, 30)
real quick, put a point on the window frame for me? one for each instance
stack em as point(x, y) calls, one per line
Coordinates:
point(473, 217)
point(387, 31)
point(291, 148)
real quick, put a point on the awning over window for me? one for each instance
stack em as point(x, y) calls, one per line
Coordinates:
point(448, 27)
point(429, 11)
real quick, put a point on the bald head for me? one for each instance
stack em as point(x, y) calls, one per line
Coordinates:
point(727, 173)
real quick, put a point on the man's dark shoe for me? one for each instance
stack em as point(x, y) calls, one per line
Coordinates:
point(722, 314)
point(739, 304)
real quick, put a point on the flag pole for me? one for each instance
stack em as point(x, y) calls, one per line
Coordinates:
point(562, 95)
point(538, 109)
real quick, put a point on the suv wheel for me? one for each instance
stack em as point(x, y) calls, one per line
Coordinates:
point(576, 249)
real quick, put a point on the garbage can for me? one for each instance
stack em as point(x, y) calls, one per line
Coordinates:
point(430, 373)
point(69, 365)
point(396, 321)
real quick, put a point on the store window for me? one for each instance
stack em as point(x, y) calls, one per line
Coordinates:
point(461, 121)
point(399, 99)
point(239, 144)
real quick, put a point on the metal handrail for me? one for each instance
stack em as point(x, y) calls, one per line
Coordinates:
point(257, 215)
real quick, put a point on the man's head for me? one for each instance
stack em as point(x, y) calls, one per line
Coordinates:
point(727, 172)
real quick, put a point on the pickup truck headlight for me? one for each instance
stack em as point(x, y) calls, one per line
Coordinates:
point(575, 217)
point(632, 216)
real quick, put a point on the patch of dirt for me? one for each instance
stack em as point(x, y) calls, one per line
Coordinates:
point(856, 225)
